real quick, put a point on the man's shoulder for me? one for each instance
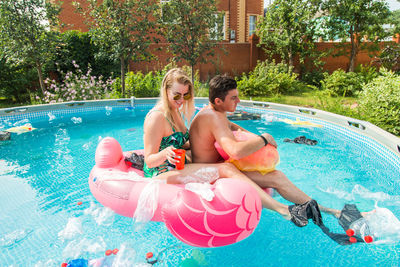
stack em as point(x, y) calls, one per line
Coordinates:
point(209, 115)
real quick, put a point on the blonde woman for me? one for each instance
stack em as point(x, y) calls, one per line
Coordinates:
point(165, 125)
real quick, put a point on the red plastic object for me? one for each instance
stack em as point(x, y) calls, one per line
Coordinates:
point(108, 252)
point(350, 232)
point(64, 264)
point(149, 255)
point(115, 251)
point(353, 240)
point(180, 165)
point(368, 239)
point(79, 203)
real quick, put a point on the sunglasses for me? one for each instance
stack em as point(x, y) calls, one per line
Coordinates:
point(186, 96)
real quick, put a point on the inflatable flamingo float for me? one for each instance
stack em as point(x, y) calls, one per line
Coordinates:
point(231, 215)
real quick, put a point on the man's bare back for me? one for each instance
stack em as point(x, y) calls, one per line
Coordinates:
point(202, 138)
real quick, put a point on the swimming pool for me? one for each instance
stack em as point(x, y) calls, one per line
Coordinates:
point(44, 175)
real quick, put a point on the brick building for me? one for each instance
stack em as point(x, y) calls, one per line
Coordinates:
point(240, 17)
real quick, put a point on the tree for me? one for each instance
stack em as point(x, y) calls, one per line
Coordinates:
point(121, 28)
point(395, 21)
point(192, 28)
point(354, 20)
point(27, 31)
point(288, 29)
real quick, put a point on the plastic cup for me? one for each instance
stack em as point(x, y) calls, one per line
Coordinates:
point(180, 164)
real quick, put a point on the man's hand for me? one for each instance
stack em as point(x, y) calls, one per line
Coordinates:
point(270, 139)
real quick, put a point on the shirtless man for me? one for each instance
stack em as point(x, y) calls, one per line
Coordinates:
point(211, 124)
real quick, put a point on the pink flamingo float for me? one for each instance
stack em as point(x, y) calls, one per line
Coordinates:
point(231, 215)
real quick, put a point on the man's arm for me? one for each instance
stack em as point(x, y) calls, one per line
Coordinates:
point(222, 131)
point(235, 127)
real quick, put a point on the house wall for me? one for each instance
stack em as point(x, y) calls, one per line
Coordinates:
point(235, 58)
point(237, 13)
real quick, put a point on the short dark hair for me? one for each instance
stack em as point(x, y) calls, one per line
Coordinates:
point(220, 85)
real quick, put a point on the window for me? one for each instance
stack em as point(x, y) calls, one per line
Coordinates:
point(215, 30)
point(252, 24)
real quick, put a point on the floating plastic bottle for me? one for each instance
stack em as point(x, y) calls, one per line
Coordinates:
point(361, 228)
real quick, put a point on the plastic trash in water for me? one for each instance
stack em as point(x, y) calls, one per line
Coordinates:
point(51, 116)
point(268, 117)
point(384, 225)
point(147, 204)
point(378, 226)
point(76, 120)
point(108, 110)
point(361, 228)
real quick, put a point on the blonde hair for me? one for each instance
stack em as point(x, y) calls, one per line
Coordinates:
point(187, 109)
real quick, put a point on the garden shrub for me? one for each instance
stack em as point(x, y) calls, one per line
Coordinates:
point(390, 57)
point(268, 79)
point(380, 101)
point(139, 85)
point(313, 78)
point(16, 80)
point(76, 86)
point(75, 46)
point(341, 83)
point(366, 73)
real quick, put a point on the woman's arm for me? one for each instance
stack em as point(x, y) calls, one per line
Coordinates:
point(155, 127)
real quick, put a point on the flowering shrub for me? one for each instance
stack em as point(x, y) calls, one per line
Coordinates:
point(76, 86)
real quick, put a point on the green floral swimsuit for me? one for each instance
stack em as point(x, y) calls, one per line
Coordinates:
point(177, 140)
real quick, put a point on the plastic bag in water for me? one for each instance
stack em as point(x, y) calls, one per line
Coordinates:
point(202, 175)
point(147, 204)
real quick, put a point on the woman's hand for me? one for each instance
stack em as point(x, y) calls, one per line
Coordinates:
point(170, 155)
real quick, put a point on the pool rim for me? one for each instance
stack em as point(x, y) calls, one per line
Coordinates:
point(361, 127)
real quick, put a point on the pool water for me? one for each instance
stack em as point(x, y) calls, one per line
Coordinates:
point(44, 176)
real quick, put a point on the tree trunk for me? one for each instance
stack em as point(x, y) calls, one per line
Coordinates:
point(40, 74)
point(290, 61)
point(123, 76)
point(354, 52)
point(192, 68)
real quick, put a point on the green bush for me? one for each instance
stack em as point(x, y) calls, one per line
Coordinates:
point(17, 80)
point(313, 78)
point(380, 101)
point(268, 79)
point(341, 83)
point(139, 85)
point(76, 46)
point(390, 57)
point(367, 73)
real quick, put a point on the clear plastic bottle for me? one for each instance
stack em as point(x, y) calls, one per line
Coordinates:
point(361, 229)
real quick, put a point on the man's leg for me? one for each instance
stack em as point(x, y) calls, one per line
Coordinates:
point(229, 170)
point(226, 170)
point(280, 183)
